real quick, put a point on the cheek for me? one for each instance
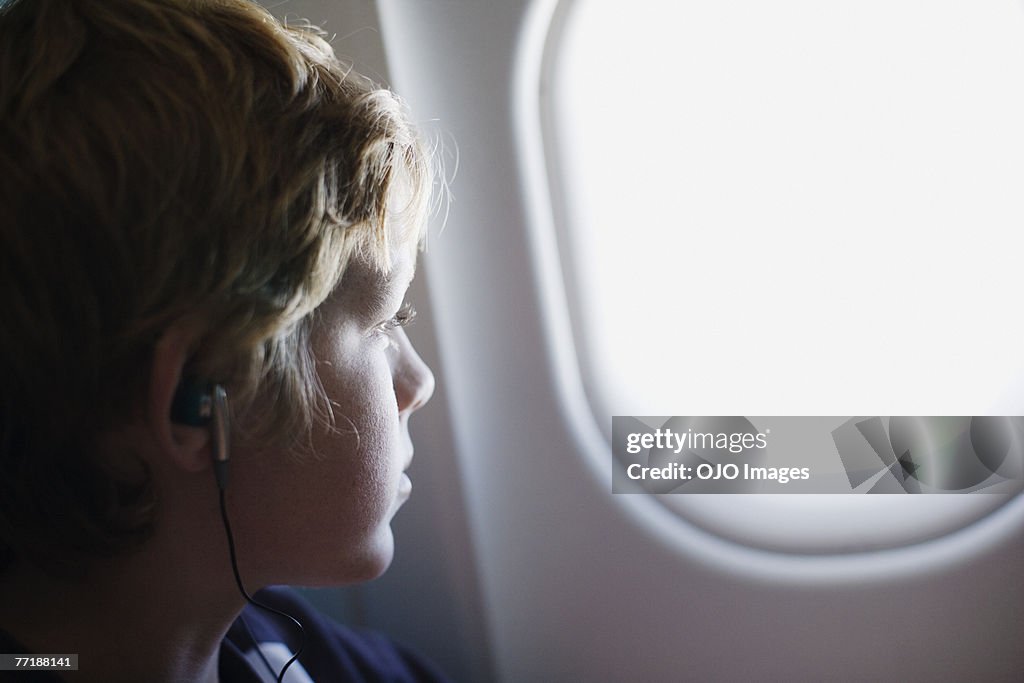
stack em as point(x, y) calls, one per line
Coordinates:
point(341, 510)
point(341, 498)
point(364, 446)
point(363, 402)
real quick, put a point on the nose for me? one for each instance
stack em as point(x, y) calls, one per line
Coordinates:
point(414, 382)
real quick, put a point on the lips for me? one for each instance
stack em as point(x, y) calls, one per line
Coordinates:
point(404, 487)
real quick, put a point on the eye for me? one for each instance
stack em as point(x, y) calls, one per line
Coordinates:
point(406, 314)
point(404, 317)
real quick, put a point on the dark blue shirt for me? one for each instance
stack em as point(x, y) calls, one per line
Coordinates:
point(332, 653)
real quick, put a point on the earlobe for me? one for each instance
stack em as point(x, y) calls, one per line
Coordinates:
point(186, 444)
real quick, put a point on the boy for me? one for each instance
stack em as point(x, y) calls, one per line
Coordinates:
point(207, 227)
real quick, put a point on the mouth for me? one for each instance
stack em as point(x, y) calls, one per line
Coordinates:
point(404, 482)
point(404, 486)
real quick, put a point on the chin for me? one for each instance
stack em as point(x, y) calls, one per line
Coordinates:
point(366, 563)
point(378, 564)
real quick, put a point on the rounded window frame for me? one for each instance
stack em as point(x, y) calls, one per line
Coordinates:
point(782, 525)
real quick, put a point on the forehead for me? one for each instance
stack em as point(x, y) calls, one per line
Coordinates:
point(365, 287)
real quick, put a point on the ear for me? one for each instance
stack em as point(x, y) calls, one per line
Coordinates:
point(185, 446)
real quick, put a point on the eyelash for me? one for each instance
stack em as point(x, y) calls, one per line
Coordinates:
point(406, 314)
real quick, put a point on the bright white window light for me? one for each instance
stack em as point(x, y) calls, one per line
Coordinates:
point(795, 207)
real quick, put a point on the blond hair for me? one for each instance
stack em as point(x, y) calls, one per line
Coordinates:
point(169, 162)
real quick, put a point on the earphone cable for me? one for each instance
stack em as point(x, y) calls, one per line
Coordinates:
point(256, 603)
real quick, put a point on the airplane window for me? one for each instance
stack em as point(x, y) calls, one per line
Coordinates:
point(794, 208)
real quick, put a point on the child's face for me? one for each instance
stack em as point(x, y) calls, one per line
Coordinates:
point(327, 519)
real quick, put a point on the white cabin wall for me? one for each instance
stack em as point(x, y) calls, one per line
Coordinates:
point(580, 585)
